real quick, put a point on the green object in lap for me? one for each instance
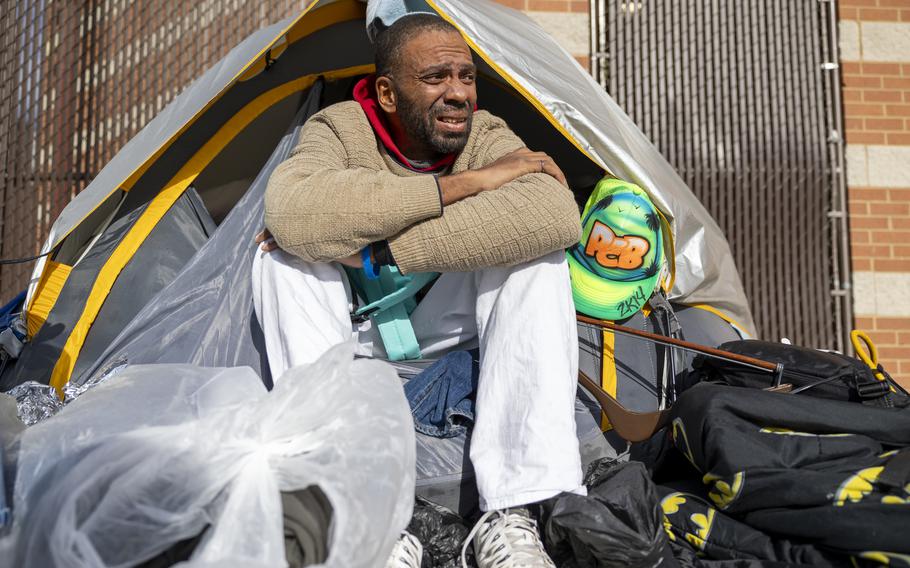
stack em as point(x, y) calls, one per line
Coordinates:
point(390, 301)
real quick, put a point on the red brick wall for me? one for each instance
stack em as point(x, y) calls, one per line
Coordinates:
point(875, 64)
point(877, 102)
point(875, 10)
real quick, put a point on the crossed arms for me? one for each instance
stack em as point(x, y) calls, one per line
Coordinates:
point(334, 196)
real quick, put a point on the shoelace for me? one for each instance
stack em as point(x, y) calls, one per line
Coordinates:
point(521, 541)
point(407, 552)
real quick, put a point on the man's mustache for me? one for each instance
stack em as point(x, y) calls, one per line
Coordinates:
point(450, 109)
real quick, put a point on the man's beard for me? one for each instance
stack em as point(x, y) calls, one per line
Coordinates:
point(420, 127)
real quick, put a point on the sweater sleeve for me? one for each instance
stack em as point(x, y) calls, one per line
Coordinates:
point(320, 209)
point(521, 221)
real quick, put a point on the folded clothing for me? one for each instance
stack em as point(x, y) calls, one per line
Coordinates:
point(441, 396)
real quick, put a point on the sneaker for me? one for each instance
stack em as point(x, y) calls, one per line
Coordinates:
point(407, 552)
point(507, 538)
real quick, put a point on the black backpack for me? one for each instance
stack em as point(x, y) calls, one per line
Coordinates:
point(823, 374)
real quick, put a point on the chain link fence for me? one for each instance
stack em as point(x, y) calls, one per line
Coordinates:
point(743, 98)
point(79, 78)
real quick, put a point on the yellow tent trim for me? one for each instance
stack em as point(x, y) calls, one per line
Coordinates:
point(671, 257)
point(162, 203)
point(722, 316)
point(131, 179)
point(52, 280)
point(342, 11)
point(608, 373)
point(134, 177)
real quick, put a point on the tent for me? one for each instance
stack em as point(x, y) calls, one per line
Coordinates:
point(150, 263)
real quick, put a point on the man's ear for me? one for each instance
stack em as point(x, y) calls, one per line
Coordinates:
point(385, 93)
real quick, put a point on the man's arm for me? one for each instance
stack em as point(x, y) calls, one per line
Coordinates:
point(319, 209)
point(525, 218)
point(495, 175)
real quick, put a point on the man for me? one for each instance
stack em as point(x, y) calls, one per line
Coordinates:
point(410, 175)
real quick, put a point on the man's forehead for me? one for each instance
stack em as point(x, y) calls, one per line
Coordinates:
point(435, 48)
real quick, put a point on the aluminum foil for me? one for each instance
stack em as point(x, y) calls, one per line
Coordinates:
point(73, 391)
point(35, 401)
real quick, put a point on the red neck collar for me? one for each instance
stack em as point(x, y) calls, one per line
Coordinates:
point(365, 94)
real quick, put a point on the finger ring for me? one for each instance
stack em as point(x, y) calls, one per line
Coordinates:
point(541, 165)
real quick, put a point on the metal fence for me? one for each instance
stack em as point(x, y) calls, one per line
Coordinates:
point(743, 98)
point(79, 78)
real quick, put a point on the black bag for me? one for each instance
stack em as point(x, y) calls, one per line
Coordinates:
point(830, 474)
point(821, 374)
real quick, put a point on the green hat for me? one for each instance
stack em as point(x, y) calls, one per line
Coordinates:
point(616, 266)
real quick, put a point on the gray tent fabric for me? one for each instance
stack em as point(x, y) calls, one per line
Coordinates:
point(181, 232)
point(382, 14)
point(166, 124)
point(640, 364)
point(205, 316)
point(185, 228)
point(444, 472)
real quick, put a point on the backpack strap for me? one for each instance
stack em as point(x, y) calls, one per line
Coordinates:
point(674, 360)
point(896, 474)
point(391, 301)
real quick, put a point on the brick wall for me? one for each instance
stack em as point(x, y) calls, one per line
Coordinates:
point(875, 64)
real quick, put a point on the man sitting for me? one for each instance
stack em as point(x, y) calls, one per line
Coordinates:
point(410, 175)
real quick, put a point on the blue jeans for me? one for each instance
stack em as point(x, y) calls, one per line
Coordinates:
point(442, 396)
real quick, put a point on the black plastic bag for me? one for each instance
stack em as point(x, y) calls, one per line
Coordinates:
point(617, 524)
point(442, 533)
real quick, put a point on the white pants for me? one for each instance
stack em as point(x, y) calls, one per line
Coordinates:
point(523, 448)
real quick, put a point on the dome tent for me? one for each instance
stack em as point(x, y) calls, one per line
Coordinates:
point(138, 267)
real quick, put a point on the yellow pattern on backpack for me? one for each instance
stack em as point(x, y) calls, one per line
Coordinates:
point(724, 492)
point(857, 486)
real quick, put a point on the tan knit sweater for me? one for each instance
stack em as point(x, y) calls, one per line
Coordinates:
point(339, 191)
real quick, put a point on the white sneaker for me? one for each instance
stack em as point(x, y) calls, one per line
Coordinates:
point(507, 538)
point(407, 552)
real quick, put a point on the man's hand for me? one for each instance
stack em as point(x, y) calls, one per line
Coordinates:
point(507, 168)
point(267, 244)
point(354, 261)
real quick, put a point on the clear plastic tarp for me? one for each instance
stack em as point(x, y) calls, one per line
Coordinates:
point(163, 453)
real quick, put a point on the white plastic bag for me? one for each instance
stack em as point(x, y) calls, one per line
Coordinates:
point(159, 452)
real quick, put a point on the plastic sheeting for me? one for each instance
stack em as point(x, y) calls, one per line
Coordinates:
point(159, 453)
point(36, 401)
point(205, 316)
